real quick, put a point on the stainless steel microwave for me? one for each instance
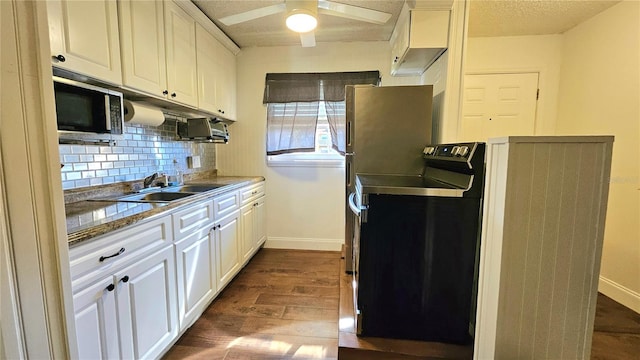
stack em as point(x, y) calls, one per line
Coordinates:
point(85, 108)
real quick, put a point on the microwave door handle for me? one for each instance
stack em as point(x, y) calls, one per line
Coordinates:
point(107, 111)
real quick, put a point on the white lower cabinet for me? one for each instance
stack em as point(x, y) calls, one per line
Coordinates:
point(254, 231)
point(147, 305)
point(130, 312)
point(136, 290)
point(197, 275)
point(227, 234)
point(97, 320)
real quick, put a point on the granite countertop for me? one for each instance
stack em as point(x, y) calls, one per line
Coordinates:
point(89, 219)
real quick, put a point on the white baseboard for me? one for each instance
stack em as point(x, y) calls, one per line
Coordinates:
point(304, 243)
point(619, 293)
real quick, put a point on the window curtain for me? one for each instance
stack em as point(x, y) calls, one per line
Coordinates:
point(292, 107)
point(291, 127)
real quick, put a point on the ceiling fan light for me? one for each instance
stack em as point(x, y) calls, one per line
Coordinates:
point(301, 21)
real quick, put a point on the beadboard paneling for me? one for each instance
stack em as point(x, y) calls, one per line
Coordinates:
point(552, 219)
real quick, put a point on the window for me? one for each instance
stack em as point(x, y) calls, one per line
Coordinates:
point(306, 117)
point(316, 133)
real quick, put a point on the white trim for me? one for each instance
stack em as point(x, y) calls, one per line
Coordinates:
point(304, 243)
point(619, 293)
point(311, 163)
point(12, 343)
point(33, 197)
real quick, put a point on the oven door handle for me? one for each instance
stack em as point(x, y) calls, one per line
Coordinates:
point(359, 211)
point(352, 204)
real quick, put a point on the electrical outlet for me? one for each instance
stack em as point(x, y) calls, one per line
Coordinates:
point(193, 162)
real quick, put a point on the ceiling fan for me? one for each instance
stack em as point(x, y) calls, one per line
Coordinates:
point(302, 15)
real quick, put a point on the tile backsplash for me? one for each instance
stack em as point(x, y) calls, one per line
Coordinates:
point(143, 151)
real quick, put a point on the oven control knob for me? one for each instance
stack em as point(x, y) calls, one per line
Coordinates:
point(455, 150)
point(464, 150)
point(428, 150)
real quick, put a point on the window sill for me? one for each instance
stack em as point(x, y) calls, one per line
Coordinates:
point(305, 161)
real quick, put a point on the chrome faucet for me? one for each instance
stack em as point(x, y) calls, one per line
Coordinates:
point(149, 180)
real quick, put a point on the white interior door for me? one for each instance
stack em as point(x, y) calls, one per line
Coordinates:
point(499, 105)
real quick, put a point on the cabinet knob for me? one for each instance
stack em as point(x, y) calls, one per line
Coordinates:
point(395, 60)
point(219, 110)
point(223, 111)
point(110, 287)
point(219, 226)
point(166, 92)
point(173, 95)
point(60, 58)
point(125, 279)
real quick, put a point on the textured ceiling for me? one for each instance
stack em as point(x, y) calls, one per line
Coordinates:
point(530, 17)
point(486, 18)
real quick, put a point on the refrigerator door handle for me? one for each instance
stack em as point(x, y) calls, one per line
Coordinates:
point(348, 170)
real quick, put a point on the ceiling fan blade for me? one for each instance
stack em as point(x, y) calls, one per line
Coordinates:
point(352, 12)
point(253, 14)
point(308, 39)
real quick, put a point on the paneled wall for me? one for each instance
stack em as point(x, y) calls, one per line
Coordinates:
point(144, 150)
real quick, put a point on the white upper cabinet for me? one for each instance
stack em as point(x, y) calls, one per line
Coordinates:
point(142, 44)
point(84, 38)
point(419, 38)
point(216, 75)
point(180, 39)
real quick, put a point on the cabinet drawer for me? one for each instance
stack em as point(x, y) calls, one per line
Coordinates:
point(186, 221)
point(225, 204)
point(114, 249)
point(251, 192)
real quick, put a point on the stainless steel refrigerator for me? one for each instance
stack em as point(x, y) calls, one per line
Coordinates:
point(386, 131)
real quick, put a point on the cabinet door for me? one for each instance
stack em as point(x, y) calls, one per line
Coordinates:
point(400, 38)
point(84, 37)
point(226, 86)
point(180, 33)
point(207, 70)
point(228, 248)
point(197, 277)
point(260, 221)
point(216, 75)
point(147, 305)
point(247, 219)
point(143, 48)
point(96, 320)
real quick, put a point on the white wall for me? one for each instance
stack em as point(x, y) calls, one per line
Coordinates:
point(542, 54)
point(305, 205)
point(600, 94)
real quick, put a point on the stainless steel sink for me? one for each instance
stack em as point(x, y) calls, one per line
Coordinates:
point(191, 188)
point(154, 197)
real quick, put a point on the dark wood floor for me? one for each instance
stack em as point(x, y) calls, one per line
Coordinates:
point(616, 331)
point(284, 305)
